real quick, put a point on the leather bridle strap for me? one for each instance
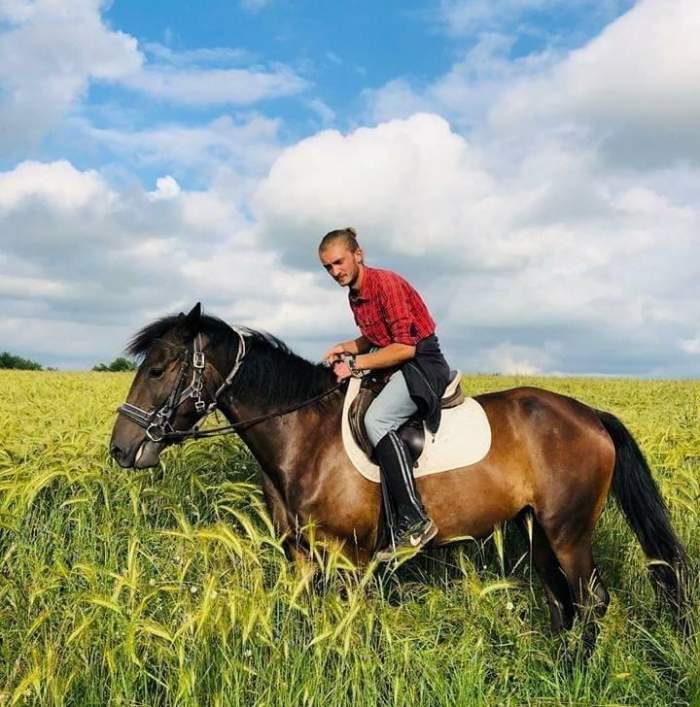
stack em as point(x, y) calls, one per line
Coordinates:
point(196, 433)
point(157, 423)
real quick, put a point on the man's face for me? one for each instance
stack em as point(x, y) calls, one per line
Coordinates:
point(341, 263)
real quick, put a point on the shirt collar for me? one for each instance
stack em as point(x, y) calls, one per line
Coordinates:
point(364, 293)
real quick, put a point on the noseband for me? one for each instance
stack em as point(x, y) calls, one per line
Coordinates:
point(158, 422)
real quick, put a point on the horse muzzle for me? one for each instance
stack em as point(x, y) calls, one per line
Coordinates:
point(142, 456)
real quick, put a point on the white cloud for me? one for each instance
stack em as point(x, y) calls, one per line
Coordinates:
point(16, 11)
point(52, 50)
point(411, 186)
point(196, 57)
point(627, 92)
point(191, 86)
point(30, 287)
point(166, 188)
point(630, 89)
point(513, 360)
point(132, 258)
point(466, 17)
point(57, 183)
point(544, 248)
point(248, 146)
point(548, 222)
point(47, 59)
point(468, 91)
point(395, 99)
point(691, 346)
point(325, 113)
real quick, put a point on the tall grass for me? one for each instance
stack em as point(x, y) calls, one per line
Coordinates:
point(169, 586)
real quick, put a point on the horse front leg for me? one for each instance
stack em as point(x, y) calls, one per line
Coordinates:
point(294, 549)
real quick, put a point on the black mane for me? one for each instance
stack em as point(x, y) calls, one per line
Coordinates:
point(271, 373)
point(216, 329)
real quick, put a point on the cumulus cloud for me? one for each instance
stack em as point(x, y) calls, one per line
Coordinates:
point(549, 254)
point(540, 204)
point(626, 92)
point(58, 184)
point(590, 164)
point(134, 255)
point(637, 103)
point(412, 186)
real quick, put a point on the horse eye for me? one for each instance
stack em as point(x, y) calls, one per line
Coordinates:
point(155, 372)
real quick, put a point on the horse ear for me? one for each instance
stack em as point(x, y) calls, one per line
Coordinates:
point(192, 320)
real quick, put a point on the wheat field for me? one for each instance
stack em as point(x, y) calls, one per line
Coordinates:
point(169, 586)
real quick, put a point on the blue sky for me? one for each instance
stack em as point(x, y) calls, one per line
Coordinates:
point(340, 49)
point(531, 165)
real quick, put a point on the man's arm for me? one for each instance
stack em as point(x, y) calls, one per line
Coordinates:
point(352, 346)
point(391, 355)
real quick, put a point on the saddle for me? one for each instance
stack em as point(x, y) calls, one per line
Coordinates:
point(413, 430)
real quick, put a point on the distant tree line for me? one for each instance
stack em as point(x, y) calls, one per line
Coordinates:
point(119, 364)
point(8, 360)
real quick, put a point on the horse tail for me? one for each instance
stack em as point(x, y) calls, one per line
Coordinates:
point(641, 502)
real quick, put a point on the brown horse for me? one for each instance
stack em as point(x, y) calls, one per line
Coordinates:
point(552, 458)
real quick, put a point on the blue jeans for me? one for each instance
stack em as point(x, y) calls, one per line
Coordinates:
point(390, 409)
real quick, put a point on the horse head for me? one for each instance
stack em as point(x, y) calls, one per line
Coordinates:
point(167, 394)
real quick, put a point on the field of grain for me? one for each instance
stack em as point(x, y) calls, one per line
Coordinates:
point(169, 587)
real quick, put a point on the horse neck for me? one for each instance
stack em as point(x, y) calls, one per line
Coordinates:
point(281, 443)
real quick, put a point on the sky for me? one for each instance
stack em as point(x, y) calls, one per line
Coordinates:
point(531, 166)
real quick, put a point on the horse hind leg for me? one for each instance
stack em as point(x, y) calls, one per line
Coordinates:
point(554, 583)
point(588, 592)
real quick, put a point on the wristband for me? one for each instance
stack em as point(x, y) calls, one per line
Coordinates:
point(356, 372)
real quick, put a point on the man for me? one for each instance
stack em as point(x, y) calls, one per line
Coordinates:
point(395, 322)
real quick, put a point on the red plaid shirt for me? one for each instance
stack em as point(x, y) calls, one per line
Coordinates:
point(388, 310)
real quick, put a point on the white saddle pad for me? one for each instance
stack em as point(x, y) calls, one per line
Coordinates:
point(464, 438)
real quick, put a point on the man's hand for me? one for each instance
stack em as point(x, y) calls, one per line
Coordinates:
point(334, 353)
point(341, 370)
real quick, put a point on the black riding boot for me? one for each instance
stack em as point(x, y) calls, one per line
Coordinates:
point(415, 529)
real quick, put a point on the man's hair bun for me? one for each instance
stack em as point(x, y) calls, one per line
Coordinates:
point(347, 235)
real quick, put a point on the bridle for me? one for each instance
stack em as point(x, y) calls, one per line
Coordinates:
point(158, 422)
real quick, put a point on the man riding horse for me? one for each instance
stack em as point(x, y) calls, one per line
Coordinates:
point(551, 464)
point(397, 332)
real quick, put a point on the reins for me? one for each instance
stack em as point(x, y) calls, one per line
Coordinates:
point(157, 422)
point(242, 424)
